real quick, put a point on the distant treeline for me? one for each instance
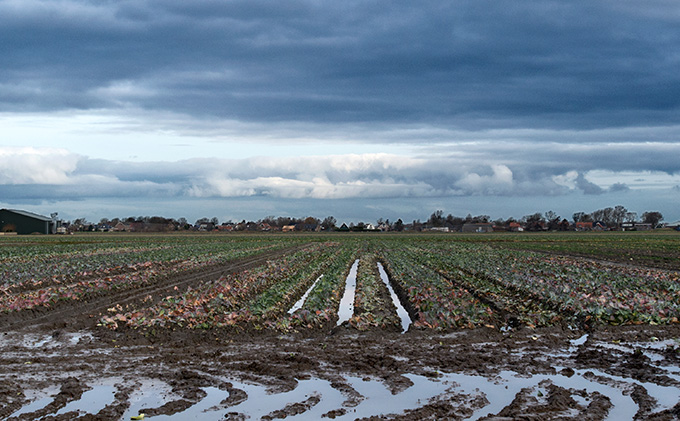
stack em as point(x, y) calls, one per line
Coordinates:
point(608, 218)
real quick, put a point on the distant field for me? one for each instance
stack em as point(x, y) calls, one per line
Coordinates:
point(656, 248)
point(444, 281)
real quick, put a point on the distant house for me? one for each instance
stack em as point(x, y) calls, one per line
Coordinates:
point(227, 227)
point(439, 229)
point(309, 227)
point(22, 222)
point(515, 227)
point(120, 227)
point(288, 228)
point(481, 227)
point(584, 226)
point(600, 226)
point(206, 226)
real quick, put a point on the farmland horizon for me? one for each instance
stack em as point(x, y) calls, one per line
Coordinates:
point(629, 215)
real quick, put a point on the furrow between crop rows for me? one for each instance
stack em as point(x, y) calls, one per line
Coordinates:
point(291, 284)
point(373, 306)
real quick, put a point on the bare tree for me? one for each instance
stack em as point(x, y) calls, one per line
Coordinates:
point(329, 223)
point(652, 218)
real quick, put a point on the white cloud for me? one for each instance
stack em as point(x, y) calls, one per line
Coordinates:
point(36, 166)
point(332, 177)
point(500, 182)
point(567, 179)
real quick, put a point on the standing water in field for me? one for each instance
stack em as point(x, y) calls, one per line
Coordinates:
point(346, 309)
point(401, 311)
point(301, 301)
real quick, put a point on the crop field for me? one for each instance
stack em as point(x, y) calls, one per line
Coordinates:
point(178, 317)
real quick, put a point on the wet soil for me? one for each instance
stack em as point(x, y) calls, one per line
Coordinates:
point(79, 314)
point(54, 361)
point(60, 366)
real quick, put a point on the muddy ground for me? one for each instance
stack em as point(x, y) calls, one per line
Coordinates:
point(43, 372)
point(57, 364)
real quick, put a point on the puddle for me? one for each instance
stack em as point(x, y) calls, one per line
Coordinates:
point(401, 311)
point(380, 401)
point(148, 395)
point(501, 392)
point(37, 404)
point(580, 341)
point(346, 309)
point(666, 396)
point(32, 341)
point(76, 338)
point(92, 401)
point(301, 301)
point(317, 396)
point(207, 408)
point(313, 398)
point(36, 341)
point(260, 403)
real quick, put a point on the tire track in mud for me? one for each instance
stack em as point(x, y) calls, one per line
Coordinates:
point(82, 314)
point(501, 313)
point(510, 317)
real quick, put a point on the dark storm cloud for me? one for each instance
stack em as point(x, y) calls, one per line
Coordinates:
point(587, 186)
point(476, 64)
point(619, 187)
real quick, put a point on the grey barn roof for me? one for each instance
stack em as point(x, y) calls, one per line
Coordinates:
point(29, 214)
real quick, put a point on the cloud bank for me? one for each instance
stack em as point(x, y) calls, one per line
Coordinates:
point(52, 174)
point(436, 102)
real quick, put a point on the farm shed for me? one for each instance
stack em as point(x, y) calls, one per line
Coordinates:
point(23, 222)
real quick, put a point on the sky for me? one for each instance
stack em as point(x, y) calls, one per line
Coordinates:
point(356, 109)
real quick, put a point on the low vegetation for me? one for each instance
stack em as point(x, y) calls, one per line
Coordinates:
point(446, 282)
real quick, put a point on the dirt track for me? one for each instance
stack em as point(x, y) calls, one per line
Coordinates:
point(76, 315)
point(56, 364)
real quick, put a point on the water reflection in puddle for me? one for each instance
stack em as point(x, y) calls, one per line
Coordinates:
point(35, 405)
point(153, 399)
point(33, 341)
point(92, 401)
point(301, 301)
point(149, 395)
point(346, 309)
point(401, 311)
point(378, 399)
point(318, 397)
